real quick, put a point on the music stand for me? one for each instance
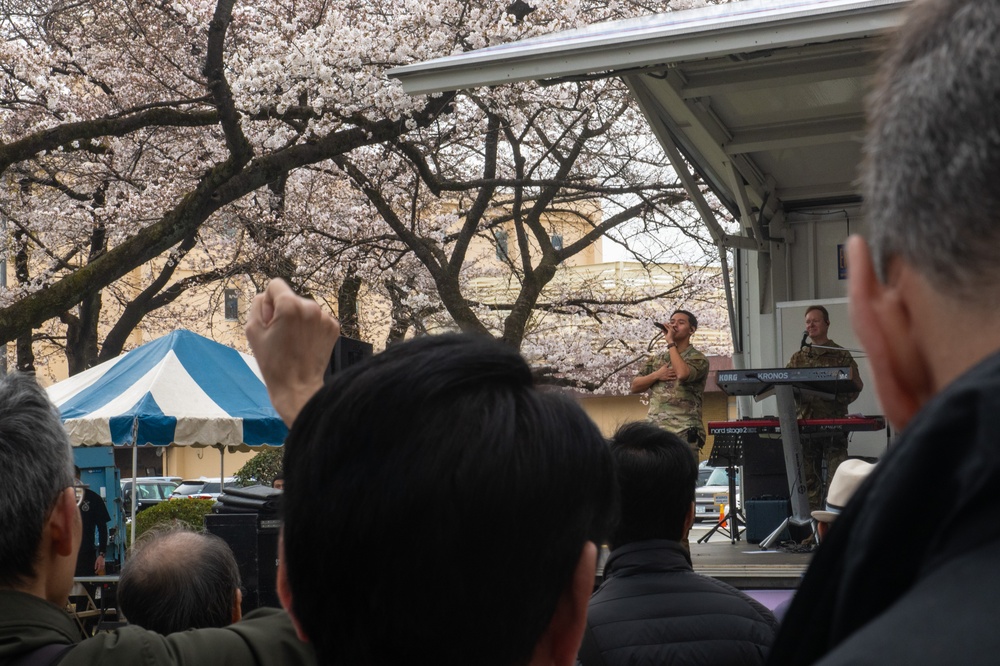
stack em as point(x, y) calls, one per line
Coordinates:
point(728, 448)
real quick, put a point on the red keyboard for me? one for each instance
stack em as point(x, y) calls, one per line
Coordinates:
point(771, 425)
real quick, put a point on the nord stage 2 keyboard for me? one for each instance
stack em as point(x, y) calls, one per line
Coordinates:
point(771, 425)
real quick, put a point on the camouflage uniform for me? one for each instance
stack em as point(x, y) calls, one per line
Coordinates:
point(676, 406)
point(832, 447)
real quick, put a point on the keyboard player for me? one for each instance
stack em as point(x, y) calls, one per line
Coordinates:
point(822, 352)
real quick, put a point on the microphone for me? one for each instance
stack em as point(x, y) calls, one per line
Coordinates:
point(805, 334)
point(660, 326)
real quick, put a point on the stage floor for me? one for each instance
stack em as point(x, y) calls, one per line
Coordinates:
point(744, 565)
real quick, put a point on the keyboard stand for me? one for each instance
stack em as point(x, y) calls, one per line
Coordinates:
point(800, 522)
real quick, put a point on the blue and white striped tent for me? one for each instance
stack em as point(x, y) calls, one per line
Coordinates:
point(181, 389)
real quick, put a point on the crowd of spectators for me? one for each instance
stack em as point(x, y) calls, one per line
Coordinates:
point(463, 507)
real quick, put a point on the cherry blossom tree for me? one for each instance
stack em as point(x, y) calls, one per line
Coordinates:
point(263, 139)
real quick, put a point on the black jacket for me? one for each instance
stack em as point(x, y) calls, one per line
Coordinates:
point(652, 608)
point(265, 637)
point(910, 571)
point(95, 518)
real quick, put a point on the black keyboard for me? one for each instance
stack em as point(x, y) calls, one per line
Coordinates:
point(754, 382)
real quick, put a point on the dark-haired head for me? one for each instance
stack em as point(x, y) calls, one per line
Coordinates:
point(690, 317)
point(437, 505)
point(657, 473)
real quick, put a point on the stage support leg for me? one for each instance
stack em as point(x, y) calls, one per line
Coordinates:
point(800, 520)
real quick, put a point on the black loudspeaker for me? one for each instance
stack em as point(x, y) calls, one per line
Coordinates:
point(255, 544)
point(764, 516)
point(346, 353)
point(764, 468)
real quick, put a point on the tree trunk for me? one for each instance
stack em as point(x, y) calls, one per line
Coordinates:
point(25, 354)
point(347, 305)
point(400, 314)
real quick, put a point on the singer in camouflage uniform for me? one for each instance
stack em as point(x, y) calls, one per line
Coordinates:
point(675, 378)
point(832, 448)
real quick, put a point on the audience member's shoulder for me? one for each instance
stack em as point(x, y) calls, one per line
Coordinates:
point(265, 637)
point(945, 618)
point(754, 608)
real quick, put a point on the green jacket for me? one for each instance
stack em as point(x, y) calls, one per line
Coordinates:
point(264, 637)
point(676, 406)
point(817, 407)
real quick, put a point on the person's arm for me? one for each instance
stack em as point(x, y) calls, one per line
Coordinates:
point(667, 372)
point(644, 382)
point(678, 368)
point(697, 369)
point(292, 339)
point(650, 374)
point(102, 542)
point(265, 637)
point(682, 370)
point(101, 519)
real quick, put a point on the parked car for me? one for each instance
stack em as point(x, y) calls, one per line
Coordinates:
point(704, 471)
point(203, 488)
point(150, 491)
point(715, 493)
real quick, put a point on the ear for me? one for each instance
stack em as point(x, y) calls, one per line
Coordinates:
point(58, 550)
point(822, 529)
point(65, 526)
point(237, 605)
point(285, 589)
point(688, 520)
point(560, 643)
point(883, 323)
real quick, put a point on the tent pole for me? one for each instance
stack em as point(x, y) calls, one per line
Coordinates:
point(135, 488)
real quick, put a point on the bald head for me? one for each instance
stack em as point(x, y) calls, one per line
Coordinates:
point(177, 579)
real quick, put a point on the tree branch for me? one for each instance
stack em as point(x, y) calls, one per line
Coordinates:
point(236, 141)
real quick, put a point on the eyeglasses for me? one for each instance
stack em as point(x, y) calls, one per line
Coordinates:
point(79, 489)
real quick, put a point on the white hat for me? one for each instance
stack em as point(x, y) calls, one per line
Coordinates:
point(846, 480)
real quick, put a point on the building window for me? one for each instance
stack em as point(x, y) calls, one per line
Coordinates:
point(501, 238)
point(232, 304)
point(557, 242)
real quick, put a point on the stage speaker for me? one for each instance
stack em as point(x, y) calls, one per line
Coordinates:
point(347, 352)
point(255, 544)
point(764, 469)
point(764, 516)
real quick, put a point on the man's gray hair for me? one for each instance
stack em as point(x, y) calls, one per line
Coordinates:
point(176, 579)
point(932, 171)
point(36, 464)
